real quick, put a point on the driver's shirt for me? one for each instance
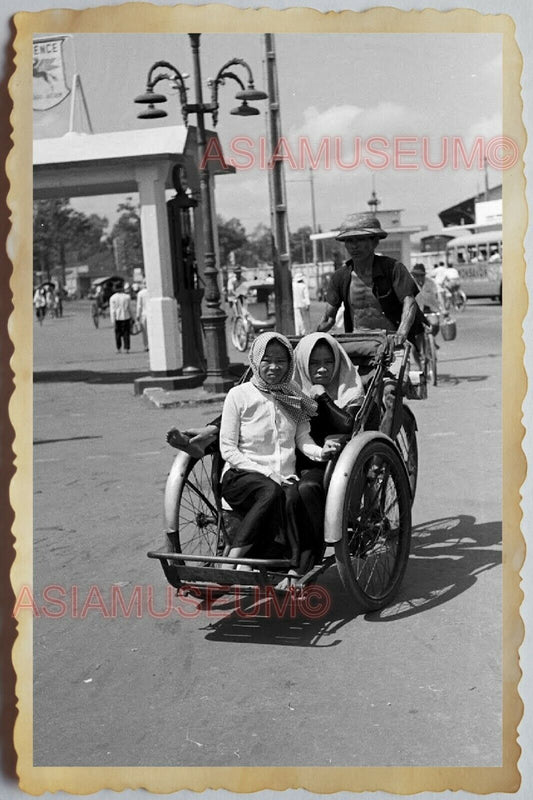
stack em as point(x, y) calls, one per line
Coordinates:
point(366, 309)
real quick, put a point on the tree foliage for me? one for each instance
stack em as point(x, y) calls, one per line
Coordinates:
point(231, 238)
point(126, 239)
point(62, 236)
point(301, 246)
point(256, 249)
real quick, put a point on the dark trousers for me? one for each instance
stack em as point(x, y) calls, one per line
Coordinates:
point(260, 500)
point(304, 509)
point(122, 332)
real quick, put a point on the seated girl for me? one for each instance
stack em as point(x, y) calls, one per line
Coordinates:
point(263, 422)
point(326, 374)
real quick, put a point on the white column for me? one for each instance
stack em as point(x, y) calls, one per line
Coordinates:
point(163, 325)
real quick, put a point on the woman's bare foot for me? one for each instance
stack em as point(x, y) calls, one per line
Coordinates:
point(183, 441)
point(287, 582)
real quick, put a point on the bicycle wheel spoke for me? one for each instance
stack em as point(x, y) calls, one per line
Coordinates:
point(198, 518)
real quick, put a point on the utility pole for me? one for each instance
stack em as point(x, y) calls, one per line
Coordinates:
point(313, 216)
point(278, 201)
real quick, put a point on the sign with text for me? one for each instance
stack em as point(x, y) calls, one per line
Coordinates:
point(49, 80)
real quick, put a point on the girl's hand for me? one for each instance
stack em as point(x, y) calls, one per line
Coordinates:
point(290, 479)
point(331, 449)
point(316, 391)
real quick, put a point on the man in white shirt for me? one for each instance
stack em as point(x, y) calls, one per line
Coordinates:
point(452, 279)
point(428, 297)
point(120, 315)
point(302, 305)
point(141, 313)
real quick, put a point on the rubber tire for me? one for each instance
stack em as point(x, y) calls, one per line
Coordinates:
point(407, 444)
point(356, 577)
point(194, 522)
point(431, 360)
point(239, 334)
point(95, 313)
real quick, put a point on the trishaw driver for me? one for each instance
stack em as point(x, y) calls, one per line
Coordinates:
point(377, 291)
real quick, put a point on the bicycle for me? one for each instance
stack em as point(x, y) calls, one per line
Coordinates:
point(453, 297)
point(426, 348)
point(429, 366)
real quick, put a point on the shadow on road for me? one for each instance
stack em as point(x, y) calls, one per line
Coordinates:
point(66, 439)
point(87, 376)
point(311, 623)
point(454, 380)
point(470, 358)
point(447, 555)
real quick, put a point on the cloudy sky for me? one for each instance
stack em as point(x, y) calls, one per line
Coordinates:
point(333, 87)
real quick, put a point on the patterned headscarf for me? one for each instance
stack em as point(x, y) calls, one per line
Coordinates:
point(287, 392)
point(345, 386)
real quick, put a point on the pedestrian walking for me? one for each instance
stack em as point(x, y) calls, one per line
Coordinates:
point(141, 313)
point(50, 302)
point(58, 301)
point(39, 302)
point(121, 316)
point(302, 305)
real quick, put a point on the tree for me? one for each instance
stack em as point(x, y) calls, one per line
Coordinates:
point(261, 244)
point(63, 236)
point(231, 238)
point(126, 238)
point(301, 245)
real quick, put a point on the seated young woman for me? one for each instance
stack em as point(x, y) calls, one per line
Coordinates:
point(326, 375)
point(263, 422)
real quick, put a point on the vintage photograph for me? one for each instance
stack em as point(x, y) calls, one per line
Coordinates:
point(267, 307)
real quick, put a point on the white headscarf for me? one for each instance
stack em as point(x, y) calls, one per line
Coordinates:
point(287, 392)
point(345, 387)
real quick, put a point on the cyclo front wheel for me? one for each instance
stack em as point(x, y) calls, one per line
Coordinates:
point(407, 444)
point(239, 334)
point(374, 518)
point(95, 313)
point(194, 521)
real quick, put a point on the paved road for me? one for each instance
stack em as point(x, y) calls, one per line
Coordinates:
point(417, 684)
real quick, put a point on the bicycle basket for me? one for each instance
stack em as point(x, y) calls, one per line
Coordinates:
point(448, 329)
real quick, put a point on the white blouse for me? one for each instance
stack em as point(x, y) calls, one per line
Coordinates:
point(258, 434)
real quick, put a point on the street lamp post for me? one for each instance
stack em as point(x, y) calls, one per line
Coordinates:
point(218, 378)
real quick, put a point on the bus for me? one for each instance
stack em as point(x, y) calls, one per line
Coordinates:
point(478, 259)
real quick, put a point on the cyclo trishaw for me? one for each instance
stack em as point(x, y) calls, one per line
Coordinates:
point(252, 311)
point(101, 291)
point(370, 488)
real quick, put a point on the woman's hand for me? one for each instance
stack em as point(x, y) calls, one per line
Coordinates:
point(289, 480)
point(330, 449)
point(316, 391)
